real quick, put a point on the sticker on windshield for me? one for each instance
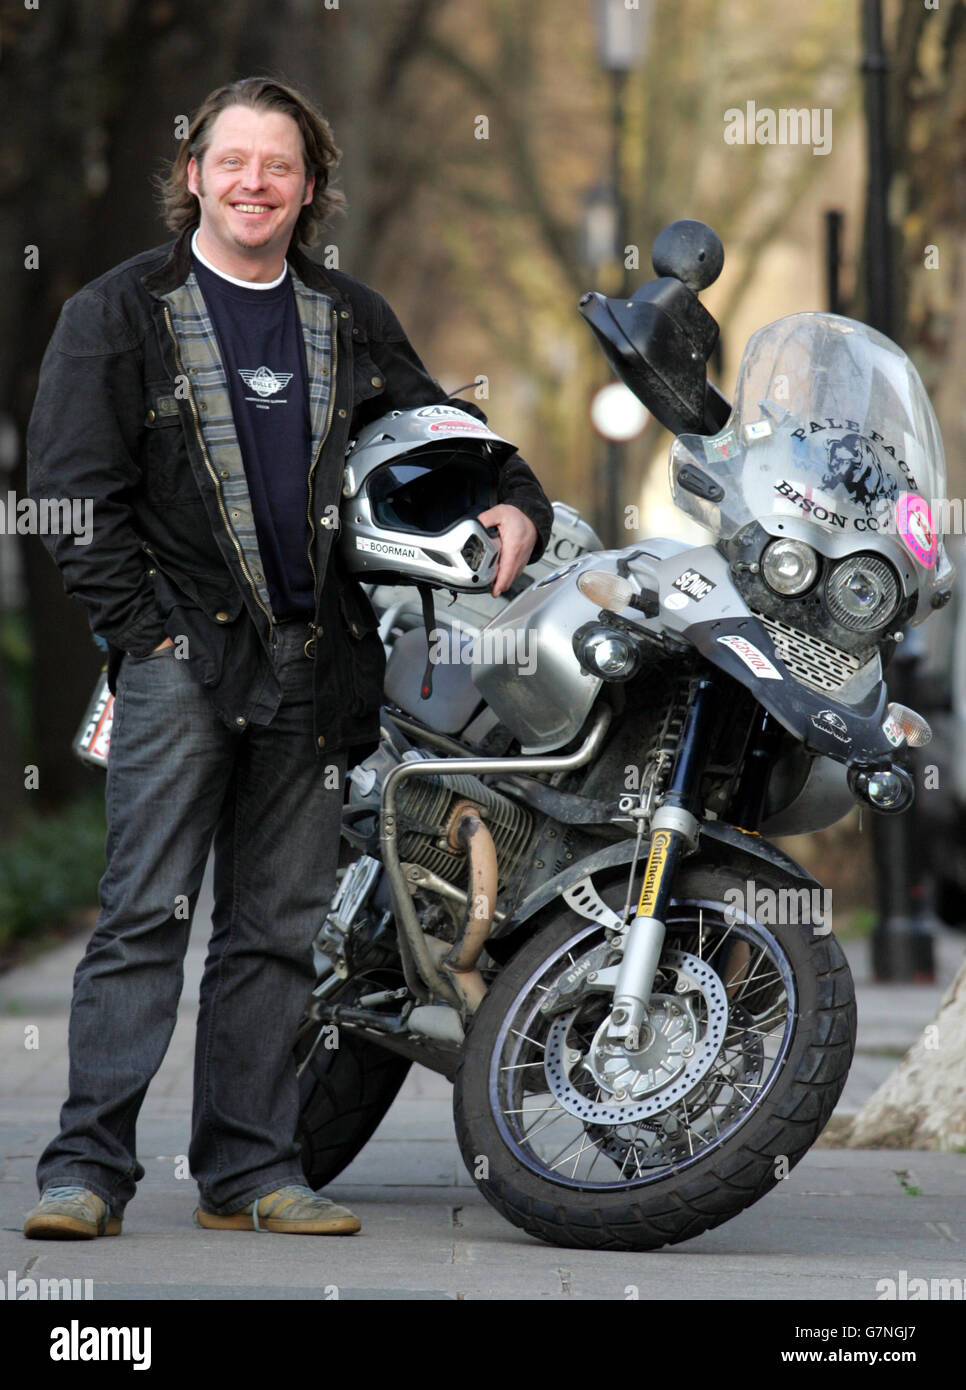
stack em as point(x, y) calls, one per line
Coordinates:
point(853, 465)
point(722, 446)
point(755, 660)
point(693, 584)
point(914, 524)
point(758, 429)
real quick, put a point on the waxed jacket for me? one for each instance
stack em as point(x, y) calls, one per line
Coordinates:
point(125, 416)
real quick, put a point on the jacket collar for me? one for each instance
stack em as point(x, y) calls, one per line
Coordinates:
point(176, 268)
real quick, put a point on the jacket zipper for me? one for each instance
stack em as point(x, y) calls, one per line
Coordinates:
point(210, 467)
point(325, 435)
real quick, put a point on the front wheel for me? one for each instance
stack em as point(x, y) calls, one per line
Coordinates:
point(751, 1031)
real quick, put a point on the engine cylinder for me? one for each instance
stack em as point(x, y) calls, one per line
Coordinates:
point(424, 806)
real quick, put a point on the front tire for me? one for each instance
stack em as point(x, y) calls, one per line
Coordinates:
point(718, 1145)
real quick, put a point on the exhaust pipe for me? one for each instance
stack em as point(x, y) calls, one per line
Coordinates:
point(467, 832)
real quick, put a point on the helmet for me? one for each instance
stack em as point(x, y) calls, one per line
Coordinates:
point(415, 482)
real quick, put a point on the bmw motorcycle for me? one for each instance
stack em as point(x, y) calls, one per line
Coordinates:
point(558, 886)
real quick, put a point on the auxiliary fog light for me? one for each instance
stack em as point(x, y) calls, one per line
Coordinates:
point(606, 653)
point(883, 788)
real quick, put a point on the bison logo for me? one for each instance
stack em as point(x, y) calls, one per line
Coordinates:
point(851, 463)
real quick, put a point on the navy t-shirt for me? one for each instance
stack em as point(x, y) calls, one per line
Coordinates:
point(260, 338)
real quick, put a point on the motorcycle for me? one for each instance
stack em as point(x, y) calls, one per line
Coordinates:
point(557, 887)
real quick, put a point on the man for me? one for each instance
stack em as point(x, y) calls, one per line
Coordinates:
point(202, 394)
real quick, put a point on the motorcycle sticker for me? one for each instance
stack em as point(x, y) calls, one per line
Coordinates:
point(853, 465)
point(723, 446)
point(894, 732)
point(914, 524)
point(756, 661)
point(653, 873)
point(693, 584)
point(676, 600)
point(854, 457)
point(831, 723)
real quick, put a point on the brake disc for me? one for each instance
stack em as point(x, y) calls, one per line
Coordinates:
point(634, 1085)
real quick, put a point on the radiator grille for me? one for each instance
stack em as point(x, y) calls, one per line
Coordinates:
point(815, 663)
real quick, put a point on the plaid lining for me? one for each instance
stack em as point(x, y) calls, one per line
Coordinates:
point(199, 352)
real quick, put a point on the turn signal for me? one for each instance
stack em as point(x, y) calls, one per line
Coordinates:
point(608, 591)
point(915, 728)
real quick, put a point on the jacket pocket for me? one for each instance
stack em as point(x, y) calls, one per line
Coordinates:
point(168, 477)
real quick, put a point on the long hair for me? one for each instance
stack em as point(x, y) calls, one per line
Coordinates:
point(180, 206)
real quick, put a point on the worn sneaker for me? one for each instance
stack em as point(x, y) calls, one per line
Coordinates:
point(292, 1210)
point(70, 1213)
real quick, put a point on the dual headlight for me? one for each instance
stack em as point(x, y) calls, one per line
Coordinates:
point(862, 591)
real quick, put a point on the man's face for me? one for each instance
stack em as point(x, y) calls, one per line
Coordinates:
point(250, 185)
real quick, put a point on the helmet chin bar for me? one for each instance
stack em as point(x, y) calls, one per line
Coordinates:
point(464, 558)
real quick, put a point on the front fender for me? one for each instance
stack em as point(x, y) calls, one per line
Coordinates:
point(719, 843)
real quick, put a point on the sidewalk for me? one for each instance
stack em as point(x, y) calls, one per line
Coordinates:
point(840, 1222)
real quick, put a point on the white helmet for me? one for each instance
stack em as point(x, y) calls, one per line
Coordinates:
point(415, 482)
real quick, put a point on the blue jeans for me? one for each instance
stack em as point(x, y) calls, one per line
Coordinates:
point(178, 779)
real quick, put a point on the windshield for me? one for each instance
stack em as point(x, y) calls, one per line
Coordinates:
point(831, 425)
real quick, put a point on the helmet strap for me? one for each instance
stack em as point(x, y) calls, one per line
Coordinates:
point(429, 623)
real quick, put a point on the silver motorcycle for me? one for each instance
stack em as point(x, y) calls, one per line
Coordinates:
point(558, 889)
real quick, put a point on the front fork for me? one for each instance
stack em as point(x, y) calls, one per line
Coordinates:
point(674, 828)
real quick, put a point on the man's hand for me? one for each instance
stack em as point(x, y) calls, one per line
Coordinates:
point(518, 536)
point(166, 643)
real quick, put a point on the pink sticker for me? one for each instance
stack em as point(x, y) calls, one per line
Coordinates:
point(914, 524)
point(462, 426)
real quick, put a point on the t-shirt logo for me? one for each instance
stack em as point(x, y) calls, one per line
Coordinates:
point(265, 382)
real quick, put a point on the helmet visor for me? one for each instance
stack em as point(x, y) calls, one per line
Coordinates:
point(428, 493)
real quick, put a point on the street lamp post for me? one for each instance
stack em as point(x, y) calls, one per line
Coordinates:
point(902, 943)
point(621, 31)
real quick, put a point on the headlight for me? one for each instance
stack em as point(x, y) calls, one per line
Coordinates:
point(862, 592)
point(789, 566)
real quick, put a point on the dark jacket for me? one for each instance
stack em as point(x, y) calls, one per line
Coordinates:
point(119, 421)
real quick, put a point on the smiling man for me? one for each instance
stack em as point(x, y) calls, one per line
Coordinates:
point(202, 395)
